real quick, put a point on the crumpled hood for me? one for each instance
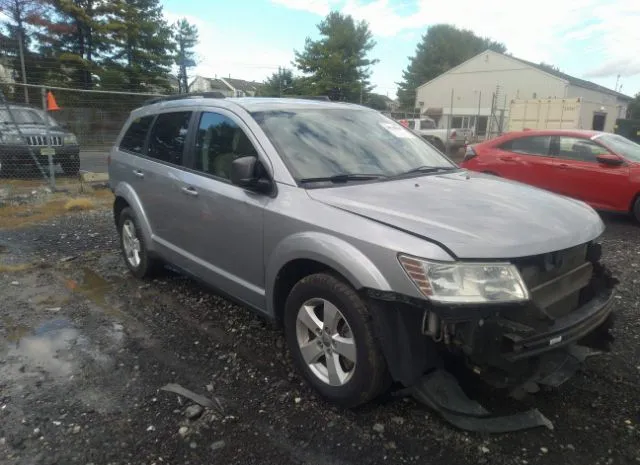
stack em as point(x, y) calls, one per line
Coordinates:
point(473, 215)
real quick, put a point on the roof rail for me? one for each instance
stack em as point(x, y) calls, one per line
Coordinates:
point(309, 97)
point(169, 98)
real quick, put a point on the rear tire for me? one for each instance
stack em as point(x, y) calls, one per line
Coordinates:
point(134, 249)
point(330, 334)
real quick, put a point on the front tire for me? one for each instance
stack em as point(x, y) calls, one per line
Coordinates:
point(134, 249)
point(636, 209)
point(331, 338)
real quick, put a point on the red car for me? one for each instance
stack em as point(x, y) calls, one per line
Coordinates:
point(599, 168)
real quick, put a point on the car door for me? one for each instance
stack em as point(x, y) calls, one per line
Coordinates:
point(160, 174)
point(525, 159)
point(226, 220)
point(581, 176)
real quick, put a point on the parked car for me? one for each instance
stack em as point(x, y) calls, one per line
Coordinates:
point(599, 168)
point(23, 140)
point(373, 251)
point(428, 130)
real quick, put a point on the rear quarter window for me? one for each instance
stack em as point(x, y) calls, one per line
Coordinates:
point(134, 139)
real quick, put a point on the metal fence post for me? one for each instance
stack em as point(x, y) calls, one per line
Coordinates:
point(48, 146)
point(449, 123)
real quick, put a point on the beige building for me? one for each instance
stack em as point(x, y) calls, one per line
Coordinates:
point(229, 87)
point(483, 87)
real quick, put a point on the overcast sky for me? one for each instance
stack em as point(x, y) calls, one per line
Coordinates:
point(590, 39)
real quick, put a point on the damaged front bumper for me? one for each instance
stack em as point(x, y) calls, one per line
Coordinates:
point(516, 347)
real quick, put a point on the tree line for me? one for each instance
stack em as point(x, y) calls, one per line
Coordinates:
point(338, 64)
point(96, 44)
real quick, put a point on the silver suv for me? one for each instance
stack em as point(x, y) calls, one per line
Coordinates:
point(380, 257)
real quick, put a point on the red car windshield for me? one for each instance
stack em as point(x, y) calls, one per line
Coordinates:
point(621, 145)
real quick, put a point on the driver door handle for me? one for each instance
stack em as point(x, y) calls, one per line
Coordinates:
point(190, 191)
point(138, 173)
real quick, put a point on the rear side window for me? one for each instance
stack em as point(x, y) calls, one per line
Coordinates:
point(134, 138)
point(168, 137)
point(534, 145)
point(427, 124)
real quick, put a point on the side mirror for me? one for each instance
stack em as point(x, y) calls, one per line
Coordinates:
point(609, 159)
point(248, 172)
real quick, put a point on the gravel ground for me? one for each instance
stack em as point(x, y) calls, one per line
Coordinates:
point(85, 349)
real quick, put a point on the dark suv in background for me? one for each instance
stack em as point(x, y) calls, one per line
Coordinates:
point(23, 136)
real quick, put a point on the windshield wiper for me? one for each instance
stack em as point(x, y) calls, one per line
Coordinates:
point(426, 169)
point(343, 178)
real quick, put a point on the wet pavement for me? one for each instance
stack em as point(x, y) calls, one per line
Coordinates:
point(85, 350)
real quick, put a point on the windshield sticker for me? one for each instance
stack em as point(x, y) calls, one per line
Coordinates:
point(396, 130)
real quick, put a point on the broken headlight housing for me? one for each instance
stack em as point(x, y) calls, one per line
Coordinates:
point(466, 282)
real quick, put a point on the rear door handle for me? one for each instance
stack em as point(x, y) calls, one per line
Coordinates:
point(506, 158)
point(138, 173)
point(563, 166)
point(190, 191)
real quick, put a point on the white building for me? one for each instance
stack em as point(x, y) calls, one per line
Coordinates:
point(483, 87)
point(229, 87)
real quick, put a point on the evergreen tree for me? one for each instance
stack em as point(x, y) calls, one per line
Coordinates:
point(75, 33)
point(282, 83)
point(142, 44)
point(337, 64)
point(442, 48)
point(186, 38)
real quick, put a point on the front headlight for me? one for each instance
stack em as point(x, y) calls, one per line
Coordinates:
point(470, 282)
point(70, 139)
point(14, 139)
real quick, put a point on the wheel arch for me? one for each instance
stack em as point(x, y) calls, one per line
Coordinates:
point(125, 197)
point(304, 254)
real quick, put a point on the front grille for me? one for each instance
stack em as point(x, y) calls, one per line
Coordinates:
point(568, 272)
point(41, 141)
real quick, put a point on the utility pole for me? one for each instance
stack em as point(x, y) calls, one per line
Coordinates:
point(360, 91)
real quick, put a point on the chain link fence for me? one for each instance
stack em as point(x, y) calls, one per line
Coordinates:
point(49, 134)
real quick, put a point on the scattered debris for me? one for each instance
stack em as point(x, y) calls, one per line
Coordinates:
point(183, 431)
point(151, 428)
point(15, 283)
point(397, 420)
point(218, 445)
point(378, 428)
point(485, 450)
point(193, 412)
point(544, 450)
point(76, 429)
point(197, 398)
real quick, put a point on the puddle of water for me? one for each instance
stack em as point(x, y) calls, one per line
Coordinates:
point(96, 289)
point(43, 346)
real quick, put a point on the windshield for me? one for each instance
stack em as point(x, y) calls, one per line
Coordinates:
point(622, 146)
point(317, 143)
point(25, 116)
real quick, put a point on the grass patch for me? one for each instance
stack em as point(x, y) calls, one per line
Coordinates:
point(16, 216)
point(16, 268)
point(79, 204)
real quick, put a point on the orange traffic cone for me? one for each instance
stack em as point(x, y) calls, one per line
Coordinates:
point(51, 102)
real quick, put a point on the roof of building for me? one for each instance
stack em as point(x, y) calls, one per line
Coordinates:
point(243, 85)
point(215, 83)
point(549, 70)
point(571, 79)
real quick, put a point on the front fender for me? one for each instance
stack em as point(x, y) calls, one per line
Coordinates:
point(328, 250)
point(127, 192)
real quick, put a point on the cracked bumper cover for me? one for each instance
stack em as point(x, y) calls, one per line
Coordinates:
point(484, 334)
